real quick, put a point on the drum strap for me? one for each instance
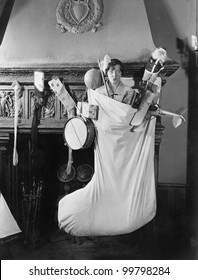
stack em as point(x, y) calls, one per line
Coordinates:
point(70, 161)
point(70, 158)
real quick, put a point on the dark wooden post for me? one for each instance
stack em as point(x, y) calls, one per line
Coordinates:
point(159, 131)
point(192, 164)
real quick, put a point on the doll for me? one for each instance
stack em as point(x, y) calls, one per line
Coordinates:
point(153, 67)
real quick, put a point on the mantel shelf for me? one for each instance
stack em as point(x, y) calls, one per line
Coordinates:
point(75, 73)
point(73, 78)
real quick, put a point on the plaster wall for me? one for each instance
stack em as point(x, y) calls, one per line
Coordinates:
point(32, 38)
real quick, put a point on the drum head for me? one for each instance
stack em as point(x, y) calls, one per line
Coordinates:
point(75, 133)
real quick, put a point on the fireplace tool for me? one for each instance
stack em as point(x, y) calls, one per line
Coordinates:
point(31, 204)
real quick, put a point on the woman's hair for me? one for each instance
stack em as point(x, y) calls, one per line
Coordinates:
point(115, 62)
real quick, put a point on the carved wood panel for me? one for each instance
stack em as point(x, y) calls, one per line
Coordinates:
point(52, 110)
point(7, 104)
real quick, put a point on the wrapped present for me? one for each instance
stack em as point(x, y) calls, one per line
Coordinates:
point(87, 110)
point(39, 80)
point(62, 94)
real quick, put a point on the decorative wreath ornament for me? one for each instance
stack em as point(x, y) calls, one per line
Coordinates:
point(84, 173)
point(62, 173)
point(79, 16)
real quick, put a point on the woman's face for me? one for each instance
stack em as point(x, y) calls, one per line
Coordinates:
point(114, 74)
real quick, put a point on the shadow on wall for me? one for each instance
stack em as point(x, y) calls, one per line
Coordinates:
point(5, 11)
point(162, 27)
point(19, 5)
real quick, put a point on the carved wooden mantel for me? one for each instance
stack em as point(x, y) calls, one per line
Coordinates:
point(74, 73)
point(53, 113)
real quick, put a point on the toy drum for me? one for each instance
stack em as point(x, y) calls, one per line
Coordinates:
point(79, 133)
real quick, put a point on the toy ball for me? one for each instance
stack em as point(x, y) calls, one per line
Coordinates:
point(93, 79)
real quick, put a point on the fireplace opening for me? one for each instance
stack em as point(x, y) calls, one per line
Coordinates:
point(42, 183)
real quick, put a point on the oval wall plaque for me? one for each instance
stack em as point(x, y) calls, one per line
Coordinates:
point(79, 16)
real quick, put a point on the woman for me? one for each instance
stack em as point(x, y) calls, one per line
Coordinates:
point(114, 87)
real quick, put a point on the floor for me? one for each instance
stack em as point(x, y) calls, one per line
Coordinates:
point(139, 245)
point(164, 238)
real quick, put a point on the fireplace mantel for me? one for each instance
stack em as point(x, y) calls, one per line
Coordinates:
point(72, 76)
point(73, 73)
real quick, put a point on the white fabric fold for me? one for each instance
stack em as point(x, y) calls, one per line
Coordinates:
point(8, 225)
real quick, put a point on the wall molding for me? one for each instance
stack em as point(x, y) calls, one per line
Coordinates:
point(74, 73)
